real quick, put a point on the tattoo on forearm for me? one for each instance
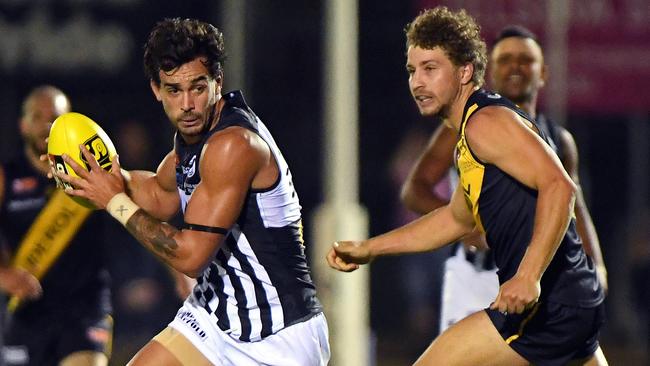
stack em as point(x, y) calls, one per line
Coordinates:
point(153, 234)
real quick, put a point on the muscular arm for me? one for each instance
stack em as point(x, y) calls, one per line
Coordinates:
point(155, 192)
point(232, 161)
point(431, 167)
point(434, 230)
point(229, 164)
point(500, 137)
point(584, 224)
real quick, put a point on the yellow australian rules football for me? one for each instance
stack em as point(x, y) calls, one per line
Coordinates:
point(66, 134)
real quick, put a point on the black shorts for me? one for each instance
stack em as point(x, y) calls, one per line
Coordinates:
point(551, 334)
point(48, 343)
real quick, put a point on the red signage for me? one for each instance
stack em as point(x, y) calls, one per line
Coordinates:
point(608, 46)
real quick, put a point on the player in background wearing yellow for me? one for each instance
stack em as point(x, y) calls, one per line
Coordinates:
point(513, 188)
point(65, 319)
point(518, 73)
point(255, 302)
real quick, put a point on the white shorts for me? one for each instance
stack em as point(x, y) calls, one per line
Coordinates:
point(301, 344)
point(466, 289)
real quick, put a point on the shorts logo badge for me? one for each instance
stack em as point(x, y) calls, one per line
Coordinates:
point(190, 320)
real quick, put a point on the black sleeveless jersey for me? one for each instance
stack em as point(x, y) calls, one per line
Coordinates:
point(258, 282)
point(78, 280)
point(552, 130)
point(504, 209)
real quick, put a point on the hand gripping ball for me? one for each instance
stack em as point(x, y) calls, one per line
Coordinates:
point(66, 134)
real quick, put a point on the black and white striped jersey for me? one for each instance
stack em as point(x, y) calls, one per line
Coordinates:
point(259, 281)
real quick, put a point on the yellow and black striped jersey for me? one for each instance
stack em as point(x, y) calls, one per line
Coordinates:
point(504, 209)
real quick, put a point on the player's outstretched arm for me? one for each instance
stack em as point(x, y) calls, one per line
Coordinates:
point(432, 231)
point(431, 167)
point(499, 136)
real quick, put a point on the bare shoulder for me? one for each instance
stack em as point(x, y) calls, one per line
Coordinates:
point(493, 122)
point(235, 147)
point(495, 132)
point(235, 140)
point(495, 115)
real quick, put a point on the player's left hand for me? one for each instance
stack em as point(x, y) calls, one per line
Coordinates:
point(517, 295)
point(96, 185)
point(44, 157)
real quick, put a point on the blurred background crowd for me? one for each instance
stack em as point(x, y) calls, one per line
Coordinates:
point(598, 52)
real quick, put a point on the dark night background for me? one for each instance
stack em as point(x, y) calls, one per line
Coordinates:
point(284, 86)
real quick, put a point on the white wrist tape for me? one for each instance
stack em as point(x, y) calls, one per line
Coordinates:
point(121, 207)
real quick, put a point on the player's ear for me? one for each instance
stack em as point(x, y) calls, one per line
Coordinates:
point(466, 72)
point(219, 79)
point(155, 88)
point(218, 83)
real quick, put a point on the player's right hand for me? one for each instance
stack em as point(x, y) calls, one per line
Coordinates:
point(517, 294)
point(20, 283)
point(346, 256)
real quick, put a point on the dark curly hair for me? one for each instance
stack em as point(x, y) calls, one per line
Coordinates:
point(457, 34)
point(173, 42)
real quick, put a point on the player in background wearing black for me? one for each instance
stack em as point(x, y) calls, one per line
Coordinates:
point(65, 318)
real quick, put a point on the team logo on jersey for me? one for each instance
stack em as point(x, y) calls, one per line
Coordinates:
point(191, 168)
point(494, 95)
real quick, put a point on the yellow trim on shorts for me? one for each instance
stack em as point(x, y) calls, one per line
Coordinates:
point(181, 347)
point(514, 337)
